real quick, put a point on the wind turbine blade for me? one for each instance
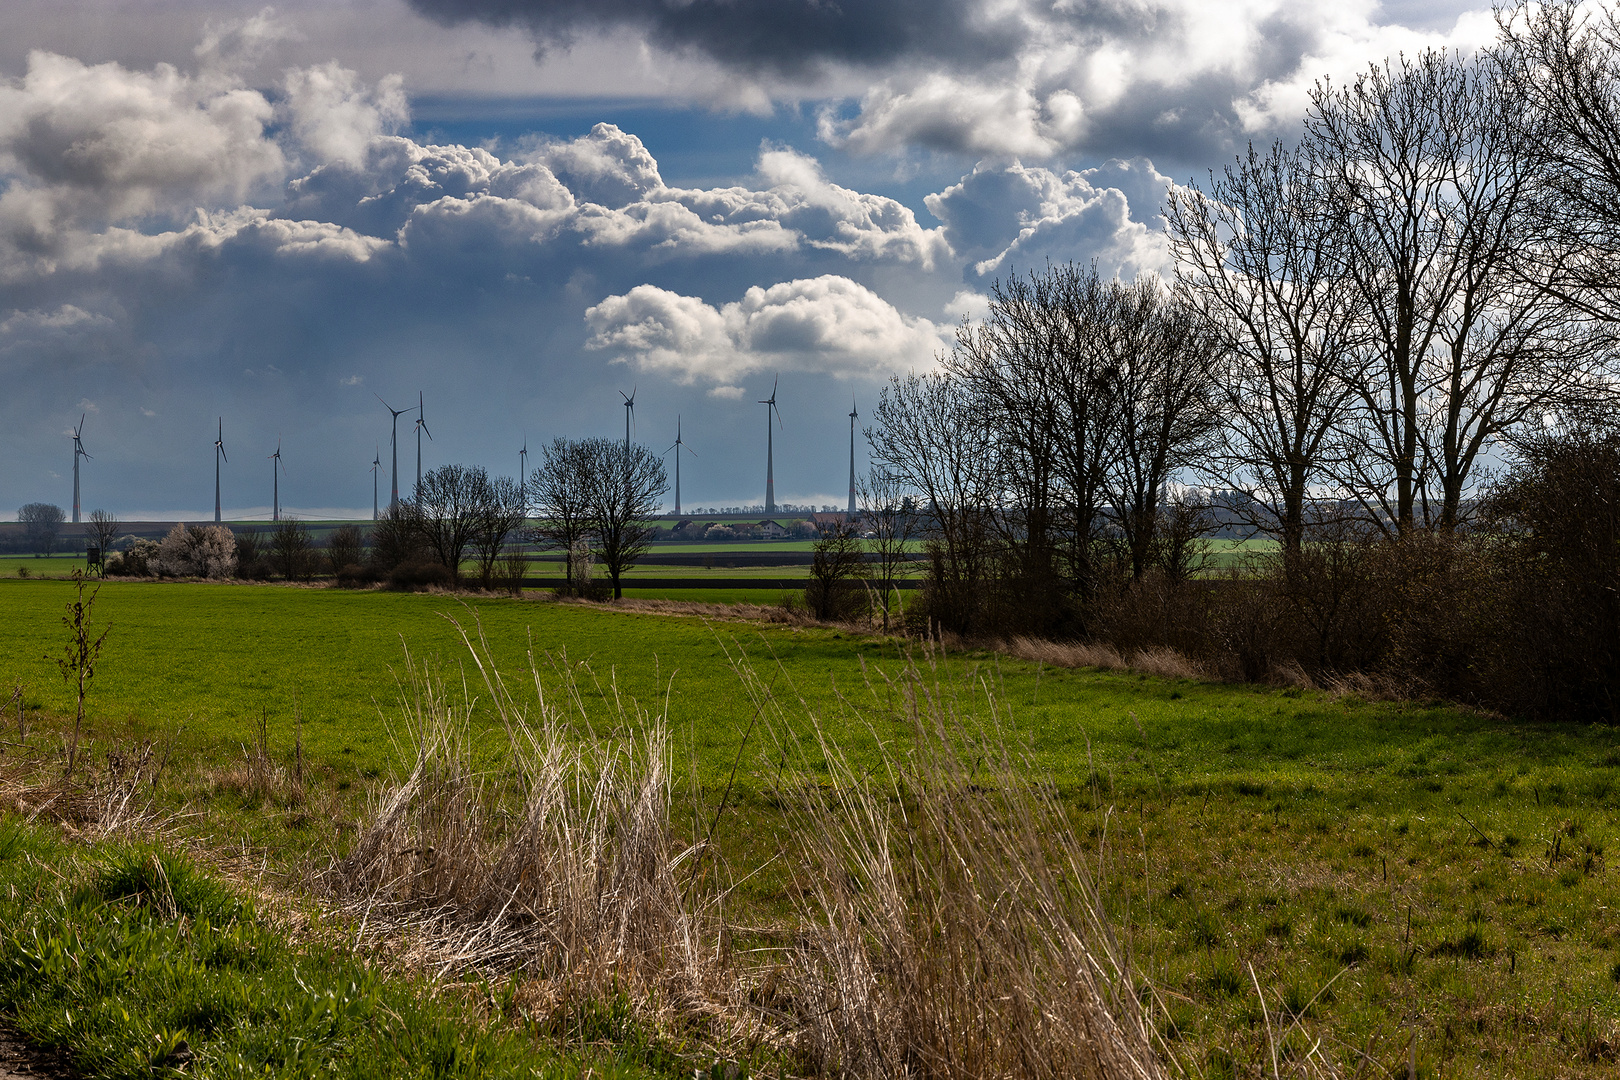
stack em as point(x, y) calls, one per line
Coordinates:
point(425, 428)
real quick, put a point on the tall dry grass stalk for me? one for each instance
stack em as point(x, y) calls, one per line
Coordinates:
point(951, 924)
point(1164, 662)
point(561, 864)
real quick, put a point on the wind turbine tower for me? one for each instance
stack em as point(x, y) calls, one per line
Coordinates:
point(678, 447)
point(393, 447)
point(376, 467)
point(219, 456)
point(523, 463)
point(421, 426)
point(275, 484)
point(78, 452)
point(854, 414)
point(629, 411)
point(770, 449)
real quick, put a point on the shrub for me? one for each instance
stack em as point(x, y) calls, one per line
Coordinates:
point(250, 561)
point(418, 575)
point(837, 588)
point(720, 532)
point(346, 547)
point(137, 561)
point(396, 539)
point(292, 550)
point(206, 551)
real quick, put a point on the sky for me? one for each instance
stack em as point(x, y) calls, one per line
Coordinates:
point(271, 217)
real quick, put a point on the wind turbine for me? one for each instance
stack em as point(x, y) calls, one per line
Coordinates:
point(678, 447)
point(854, 414)
point(393, 446)
point(219, 455)
point(78, 452)
point(523, 462)
point(275, 474)
point(629, 411)
point(770, 449)
point(376, 467)
point(421, 426)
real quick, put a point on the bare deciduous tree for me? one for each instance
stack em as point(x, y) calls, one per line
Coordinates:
point(625, 486)
point(836, 571)
point(42, 523)
point(1164, 364)
point(1007, 364)
point(292, 550)
point(501, 515)
point(1261, 255)
point(449, 504)
point(890, 515)
point(1466, 341)
point(559, 496)
point(345, 549)
point(396, 538)
point(1563, 60)
point(927, 436)
point(104, 526)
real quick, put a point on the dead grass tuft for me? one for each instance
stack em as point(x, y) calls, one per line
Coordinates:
point(1164, 662)
point(562, 865)
point(951, 925)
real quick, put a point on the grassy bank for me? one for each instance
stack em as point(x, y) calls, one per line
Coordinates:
point(124, 961)
point(1405, 878)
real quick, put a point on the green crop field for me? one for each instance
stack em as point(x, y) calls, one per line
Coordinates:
point(1392, 871)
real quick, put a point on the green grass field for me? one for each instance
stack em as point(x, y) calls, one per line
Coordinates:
point(1393, 871)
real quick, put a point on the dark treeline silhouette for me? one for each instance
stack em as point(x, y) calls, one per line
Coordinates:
point(1388, 344)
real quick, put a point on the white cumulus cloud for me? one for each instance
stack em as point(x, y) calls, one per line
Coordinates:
point(826, 325)
point(1012, 216)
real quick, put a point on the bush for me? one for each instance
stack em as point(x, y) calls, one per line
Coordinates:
point(720, 532)
point(250, 560)
point(345, 547)
point(1556, 518)
point(418, 575)
point(292, 550)
point(837, 587)
point(205, 551)
point(396, 539)
point(137, 561)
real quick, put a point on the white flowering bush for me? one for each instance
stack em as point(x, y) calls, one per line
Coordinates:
point(206, 551)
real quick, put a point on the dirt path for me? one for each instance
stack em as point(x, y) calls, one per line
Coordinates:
point(18, 1062)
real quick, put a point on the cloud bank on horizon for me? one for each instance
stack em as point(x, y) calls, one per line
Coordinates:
point(188, 239)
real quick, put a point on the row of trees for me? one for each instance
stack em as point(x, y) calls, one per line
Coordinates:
point(1362, 324)
point(588, 494)
point(588, 498)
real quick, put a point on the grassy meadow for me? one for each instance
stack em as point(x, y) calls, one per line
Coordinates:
point(1409, 881)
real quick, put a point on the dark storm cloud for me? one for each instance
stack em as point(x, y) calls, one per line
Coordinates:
point(788, 37)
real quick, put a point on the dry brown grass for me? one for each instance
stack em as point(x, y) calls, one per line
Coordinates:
point(562, 866)
point(1164, 662)
point(951, 924)
point(258, 777)
point(107, 797)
